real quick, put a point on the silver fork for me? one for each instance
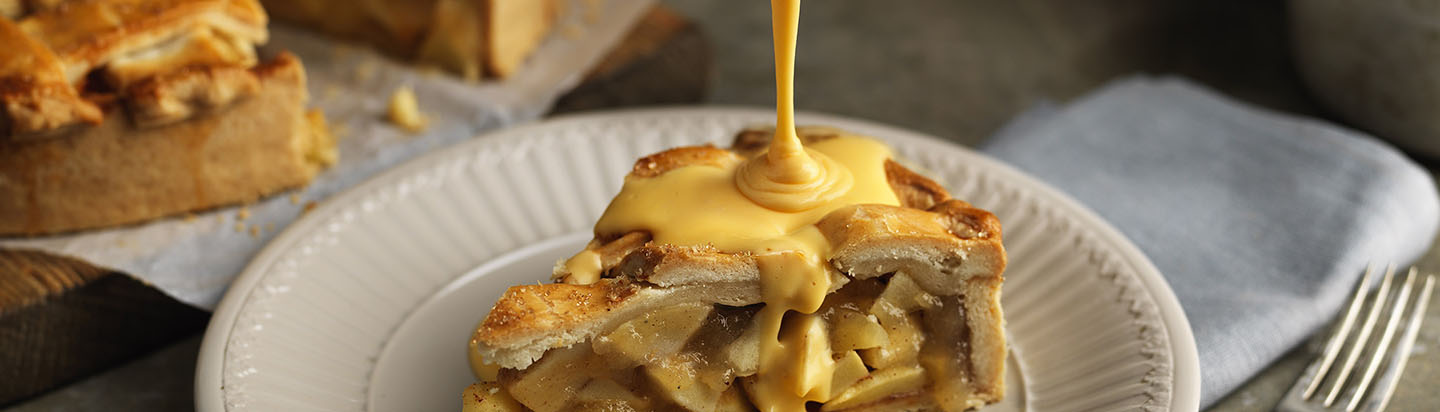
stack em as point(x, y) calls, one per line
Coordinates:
point(1361, 389)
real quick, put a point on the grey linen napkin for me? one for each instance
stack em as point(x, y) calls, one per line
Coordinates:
point(1260, 221)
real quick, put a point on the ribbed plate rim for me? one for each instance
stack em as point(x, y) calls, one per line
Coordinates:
point(1185, 387)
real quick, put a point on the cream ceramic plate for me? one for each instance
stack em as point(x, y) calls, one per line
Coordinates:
point(366, 303)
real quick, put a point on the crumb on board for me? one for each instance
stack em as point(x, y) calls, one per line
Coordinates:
point(255, 231)
point(308, 207)
point(572, 31)
point(403, 111)
point(340, 51)
point(338, 131)
point(592, 11)
point(365, 70)
point(330, 92)
point(294, 199)
point(430, 71)
point(243, 214)
point(239, 227)
point(323, 152)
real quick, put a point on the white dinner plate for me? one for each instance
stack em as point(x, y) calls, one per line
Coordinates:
point(366, 303)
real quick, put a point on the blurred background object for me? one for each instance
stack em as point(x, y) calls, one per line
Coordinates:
point(961, 69)
point(1376, 64)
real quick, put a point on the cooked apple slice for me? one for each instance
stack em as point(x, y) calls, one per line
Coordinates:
point(734, 400)
point(852, 329)
point(811, 362)
point(722, 329)
point(879, 385)
point(902, 293)
point(550, 384)
point(488, 397)
point(655, 335)
point(848, 370)
point(607, 395)
point(744, 353)
point(674, 379)
point(902, 331)
point(715, 372)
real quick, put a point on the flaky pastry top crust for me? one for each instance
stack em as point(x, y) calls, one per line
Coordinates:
point(72, 56)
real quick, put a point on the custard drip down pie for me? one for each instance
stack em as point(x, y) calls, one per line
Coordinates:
point(120, 111)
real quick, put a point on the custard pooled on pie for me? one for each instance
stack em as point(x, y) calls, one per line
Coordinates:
point(876, 291)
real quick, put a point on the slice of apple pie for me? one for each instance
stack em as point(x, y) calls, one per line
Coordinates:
point(687, 297)
point(119, 111)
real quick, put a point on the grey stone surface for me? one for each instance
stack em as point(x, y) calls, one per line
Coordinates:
point(956, 69)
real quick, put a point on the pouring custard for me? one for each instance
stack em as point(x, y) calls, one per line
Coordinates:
point(799, 269)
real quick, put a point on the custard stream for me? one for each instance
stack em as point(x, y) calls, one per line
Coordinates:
point(767, 206)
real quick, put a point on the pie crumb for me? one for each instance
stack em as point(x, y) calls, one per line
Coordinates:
point(338, 131)
point(330, 92)
point(239, 227)
point(572, 31)
point(243, 214)
point(365, 70)
point(294, 199)
point(308, 207)
point(255, 231)
point(592, 10)
point(404, 112)
point(341, 51)
point(321, 150)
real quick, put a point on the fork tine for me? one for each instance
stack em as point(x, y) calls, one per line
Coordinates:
point(1365, 330)
point(1385, 387)
point(1391, 325)
point(1337, 340)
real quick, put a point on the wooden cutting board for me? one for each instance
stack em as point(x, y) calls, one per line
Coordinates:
point(62, 319)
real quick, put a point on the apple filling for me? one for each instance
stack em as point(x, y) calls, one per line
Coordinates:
point(893, 343)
